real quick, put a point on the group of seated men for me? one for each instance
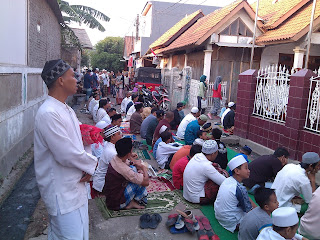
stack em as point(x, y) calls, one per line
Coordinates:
point(200, 169)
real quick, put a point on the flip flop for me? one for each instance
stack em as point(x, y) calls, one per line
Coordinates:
point(200, 223)
point(173, 230)
point(155, 220)
point(212, 236)
point(145, 220)
point(189, 224)
point(206, 224)
point(202, 235)
point(179, 223)
point(172, 219)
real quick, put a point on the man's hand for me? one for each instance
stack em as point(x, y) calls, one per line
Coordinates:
point(86, 177)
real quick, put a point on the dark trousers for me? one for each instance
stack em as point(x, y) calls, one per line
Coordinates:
point(202, 110)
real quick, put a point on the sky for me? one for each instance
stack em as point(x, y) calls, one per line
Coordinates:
point(122, 14)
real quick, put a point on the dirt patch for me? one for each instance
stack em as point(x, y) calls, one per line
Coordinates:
point(38, 222)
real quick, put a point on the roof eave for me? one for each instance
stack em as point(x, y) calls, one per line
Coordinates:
point(243, 4)
point(56, 10)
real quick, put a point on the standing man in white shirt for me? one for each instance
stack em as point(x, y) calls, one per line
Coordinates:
point(62, 166)
point(186, 120)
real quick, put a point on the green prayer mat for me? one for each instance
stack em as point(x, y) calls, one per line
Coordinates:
point(142, 154)
point(158, 202)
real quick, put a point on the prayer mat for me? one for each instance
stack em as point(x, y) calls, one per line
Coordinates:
point(125, 127)
point(132, 136)
point(158, 185)
point(158, 202)
point(142, 154)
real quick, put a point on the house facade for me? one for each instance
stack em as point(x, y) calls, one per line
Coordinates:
point(219, 44)
point(155, 19)
point(31, 36)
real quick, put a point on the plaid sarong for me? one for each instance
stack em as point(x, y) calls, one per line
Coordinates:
point(134, 191)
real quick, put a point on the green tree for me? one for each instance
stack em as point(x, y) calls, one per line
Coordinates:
point(108, 54)
point(82, 14)
point(85, 58)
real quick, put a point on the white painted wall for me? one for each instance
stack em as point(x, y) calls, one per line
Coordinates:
point(13, 28)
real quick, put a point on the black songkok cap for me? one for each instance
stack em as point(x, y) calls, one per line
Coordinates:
point(54, 69)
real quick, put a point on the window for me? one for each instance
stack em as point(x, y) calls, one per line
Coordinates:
point(237, 28)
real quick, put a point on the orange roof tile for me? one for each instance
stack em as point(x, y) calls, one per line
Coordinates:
point(274, 12)
point(168, 36)
point(201, 27)
point(292, 26)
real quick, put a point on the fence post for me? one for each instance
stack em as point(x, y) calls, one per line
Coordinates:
point(297, 110)
point(245, 101)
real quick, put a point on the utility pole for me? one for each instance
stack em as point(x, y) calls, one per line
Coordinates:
point(309, 34)
point(254, 35)
point(137, 28)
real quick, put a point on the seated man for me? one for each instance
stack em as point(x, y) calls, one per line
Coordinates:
point(186, 120)
point(285, 223)
point(153, 125)
point(111, 135)
point(260, 217)
point(146, 122)
point(222, 158)
point(94, 101)
point(107, 118)
point(125, 102)
point(310, 221)
point(193, 128)
point(166, 148)
point(176, 120)
point(178, 169)
point(201, 180)
point(136, 119)
point(202, 136)
point(104, 106)
point(168, 117)
point(116, 120)
point(131, 108)
point(294, 180)
point(182, 152)
point(156, 144)
point(265, 168)
point(125, 187)
point(227, 118)
point(233, 201)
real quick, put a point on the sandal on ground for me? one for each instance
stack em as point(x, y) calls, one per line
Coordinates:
point(155, 220)
point(145, 220)
point(202, 235)
point(179, 223)
point(212, 235)
point(189, 224)
point(172, 219)
point(206, 224)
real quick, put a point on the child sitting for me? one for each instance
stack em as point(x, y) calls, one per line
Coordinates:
point(201, 137)
point(166, 149)
point(285, 223)
point(233, 202)
point(222, 158)
point(260, 217)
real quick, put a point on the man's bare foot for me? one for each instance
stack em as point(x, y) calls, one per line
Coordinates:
point(133, 204)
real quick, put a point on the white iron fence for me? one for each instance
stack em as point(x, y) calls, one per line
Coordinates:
point(194, 86)
point(272, 93)
point(313, 110)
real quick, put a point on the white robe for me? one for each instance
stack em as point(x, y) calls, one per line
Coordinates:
point(268, 234)
point(183, 125)
point(59, 157)
point(101, 114)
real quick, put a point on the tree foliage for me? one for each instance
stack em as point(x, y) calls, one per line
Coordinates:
point(108, 53)
point(82, 14)
point(85, 58)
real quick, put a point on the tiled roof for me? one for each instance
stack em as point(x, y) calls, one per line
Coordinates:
point(273, 12)
point(169, 35)
point(201, 27)
point(83, 37)
point(292, 26)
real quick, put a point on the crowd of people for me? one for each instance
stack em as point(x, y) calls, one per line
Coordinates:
point(66, 156)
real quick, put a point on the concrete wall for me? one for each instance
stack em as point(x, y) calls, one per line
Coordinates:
point(46, 44)
point(22, 89)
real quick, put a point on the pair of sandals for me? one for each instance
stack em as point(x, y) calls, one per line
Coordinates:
point(205, 232)
point(150, 221)
point(200, 224)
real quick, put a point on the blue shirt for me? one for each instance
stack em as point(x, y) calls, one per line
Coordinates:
point(155, 147)
point(87, 80)
point(145, 124)
point(191, 132)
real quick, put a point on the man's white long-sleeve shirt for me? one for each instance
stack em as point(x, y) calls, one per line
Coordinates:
point(60, 158)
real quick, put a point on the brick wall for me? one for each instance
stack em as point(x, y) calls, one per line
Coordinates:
point(46, 44)
point(271, 134)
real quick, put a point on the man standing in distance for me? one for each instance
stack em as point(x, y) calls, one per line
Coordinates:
point(61, 163)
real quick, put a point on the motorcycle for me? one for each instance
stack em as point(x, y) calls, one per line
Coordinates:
point(146, 97)
point(160, 98)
